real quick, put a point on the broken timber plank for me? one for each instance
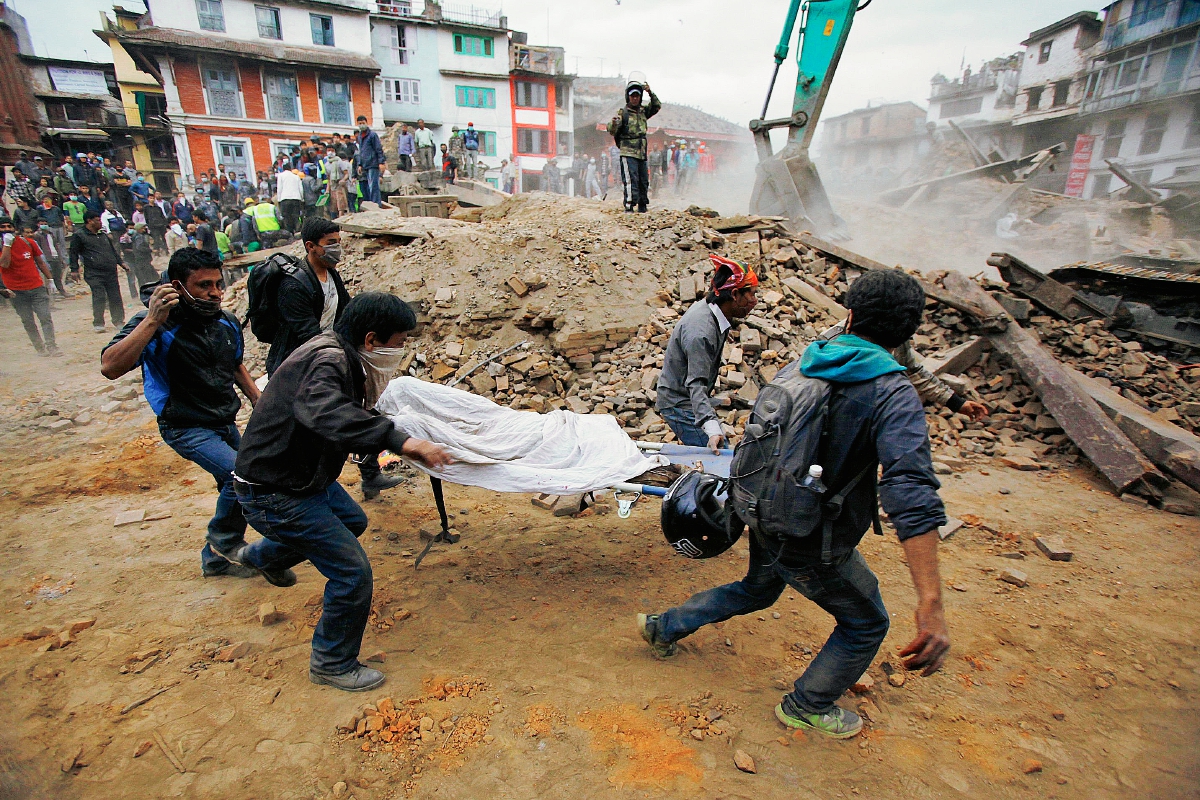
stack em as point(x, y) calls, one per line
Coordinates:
point(976, 154)
point(862, 262)
point(1105, 445)
point(957, 360)
point(1138, 191)
point(1168, 446)
point(255, 258)
point(1006, 170)
point(1057, 298)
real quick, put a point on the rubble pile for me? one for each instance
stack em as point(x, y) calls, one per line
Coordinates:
point(552, 303)
point(1147, 378)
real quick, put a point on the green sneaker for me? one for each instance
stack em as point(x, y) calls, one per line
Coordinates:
point(648, 626)
point(837, 722)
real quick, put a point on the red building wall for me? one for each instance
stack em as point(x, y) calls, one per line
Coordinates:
point(360, 97)
point(191, 88)
point(550, 113)
point(309, 101)
point(252, 90)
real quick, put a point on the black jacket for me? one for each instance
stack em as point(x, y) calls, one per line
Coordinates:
point(310, 418)
point(99, 256)
point(188, 367)
point(881, 422)
point(300, 302)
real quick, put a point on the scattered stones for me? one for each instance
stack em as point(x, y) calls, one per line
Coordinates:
point(129, 517)
point(743, 761)
point(1053, 548)
point(950, 528)
point(233, 652)
point(897, 678)
point(269, 615)
point(864, 684)
point(1014, 576)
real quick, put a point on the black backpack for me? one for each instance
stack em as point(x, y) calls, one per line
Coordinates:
point(784, 436)
point(263, 289)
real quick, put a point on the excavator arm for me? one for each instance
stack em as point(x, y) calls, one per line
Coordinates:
point(787, 183)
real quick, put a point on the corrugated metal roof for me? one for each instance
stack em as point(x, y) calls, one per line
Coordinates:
point(282, 53)
point(1133, 272)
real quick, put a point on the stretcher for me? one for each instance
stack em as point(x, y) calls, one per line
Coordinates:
point(627, 493)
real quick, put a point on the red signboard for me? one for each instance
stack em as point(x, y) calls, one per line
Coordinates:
point(1081, 159)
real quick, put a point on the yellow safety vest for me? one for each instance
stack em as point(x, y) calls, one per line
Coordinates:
point(264, 217)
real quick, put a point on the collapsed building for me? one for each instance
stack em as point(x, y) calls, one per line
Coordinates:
point(550, 303)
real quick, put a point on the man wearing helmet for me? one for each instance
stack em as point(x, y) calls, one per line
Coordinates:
point(874, 420)
point(693, 354)
point(628, 128)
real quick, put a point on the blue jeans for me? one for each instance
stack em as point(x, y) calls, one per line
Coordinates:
point(322, 528)
point(848, 590)
point(373, 184)
point(683, 424)
point(215, 450)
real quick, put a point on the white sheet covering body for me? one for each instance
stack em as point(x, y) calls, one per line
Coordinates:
point(514, 451)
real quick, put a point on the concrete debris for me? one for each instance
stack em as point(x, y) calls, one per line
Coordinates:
point(743, 761)
point(593, 295)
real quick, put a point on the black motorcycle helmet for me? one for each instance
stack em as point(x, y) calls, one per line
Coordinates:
point(694, 521)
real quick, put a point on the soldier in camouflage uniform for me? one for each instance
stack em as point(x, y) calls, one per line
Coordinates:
point(628, 128)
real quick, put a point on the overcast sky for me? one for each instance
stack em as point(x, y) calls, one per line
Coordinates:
point(712, 54)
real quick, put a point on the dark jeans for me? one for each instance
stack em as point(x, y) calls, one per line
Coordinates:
point(106, 289)
point(405, 162)
point(848, 590)
point(290, 210)
point(636, 180)
point(372, 189)
point(683, 425)
point(322, 528)
point(27, 303)
point(215, 450)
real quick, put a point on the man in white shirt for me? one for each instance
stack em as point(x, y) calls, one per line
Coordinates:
point(290, 193)
point(423, 138)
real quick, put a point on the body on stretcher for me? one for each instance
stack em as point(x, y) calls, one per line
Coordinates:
point(626, 493)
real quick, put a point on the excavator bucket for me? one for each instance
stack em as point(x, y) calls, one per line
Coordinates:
point(790, 186)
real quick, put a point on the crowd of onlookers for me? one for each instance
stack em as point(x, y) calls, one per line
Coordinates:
point(673, 165)
point(87, 219)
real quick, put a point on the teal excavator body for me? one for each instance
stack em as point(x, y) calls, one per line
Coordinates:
point(787, 183)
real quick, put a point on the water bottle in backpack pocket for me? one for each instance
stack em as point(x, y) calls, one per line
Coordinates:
point(771, 465)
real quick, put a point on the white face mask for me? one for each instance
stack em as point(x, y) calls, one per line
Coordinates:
point(379, 365)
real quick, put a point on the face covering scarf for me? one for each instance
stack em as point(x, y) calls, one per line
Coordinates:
point(378, 365)
point(205, 308)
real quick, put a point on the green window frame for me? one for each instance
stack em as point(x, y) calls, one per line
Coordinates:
point(474, 97)
point(466, 45)
point(487, 143)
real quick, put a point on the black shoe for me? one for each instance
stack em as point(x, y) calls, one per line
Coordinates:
point(228, 570)
point(359, 679)
point(371, 487)
point(275, 577)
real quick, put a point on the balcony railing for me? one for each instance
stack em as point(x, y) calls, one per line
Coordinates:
point(1137, 28)
point(398, 8)
point(473, 15)
point(543, 60)
point(1169, 69)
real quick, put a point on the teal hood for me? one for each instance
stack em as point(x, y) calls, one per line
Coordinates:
point(847, 359)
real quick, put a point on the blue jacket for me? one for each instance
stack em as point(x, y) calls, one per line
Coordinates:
point(141, 190)
point(370, 151)
point(879, 420)
point(471, 139)
point(188, 368)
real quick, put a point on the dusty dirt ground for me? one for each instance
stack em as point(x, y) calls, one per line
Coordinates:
point(1090, 671)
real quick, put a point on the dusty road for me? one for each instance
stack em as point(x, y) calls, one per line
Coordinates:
point(518, 644)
